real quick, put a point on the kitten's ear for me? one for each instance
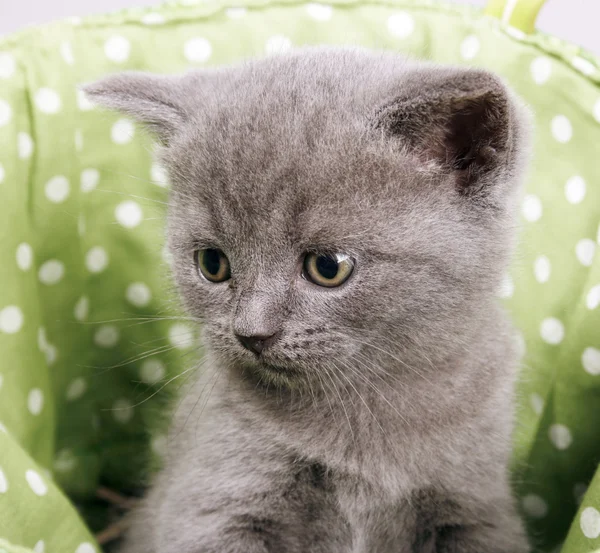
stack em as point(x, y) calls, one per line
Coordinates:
point(153, 100)
point(462, 119)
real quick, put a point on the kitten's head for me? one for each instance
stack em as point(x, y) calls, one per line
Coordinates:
point(331, 205)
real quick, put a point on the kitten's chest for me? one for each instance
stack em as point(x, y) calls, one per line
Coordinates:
point(377, 526)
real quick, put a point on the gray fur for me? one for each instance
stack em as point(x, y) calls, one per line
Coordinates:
point(387, 427)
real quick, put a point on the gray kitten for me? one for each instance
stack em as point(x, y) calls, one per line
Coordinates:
point(339, 221)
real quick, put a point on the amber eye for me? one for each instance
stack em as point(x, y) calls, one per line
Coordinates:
point(328, 270)
point(213, 265)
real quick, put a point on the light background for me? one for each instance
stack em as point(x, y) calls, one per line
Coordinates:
point(574, 20)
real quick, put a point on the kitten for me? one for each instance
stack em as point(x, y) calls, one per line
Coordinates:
point(339, 221)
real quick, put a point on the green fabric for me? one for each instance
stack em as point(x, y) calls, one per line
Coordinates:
point(519, 14)
point(89, 335)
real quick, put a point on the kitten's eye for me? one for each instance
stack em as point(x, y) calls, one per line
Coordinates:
point(328, 270)
point(213, 265)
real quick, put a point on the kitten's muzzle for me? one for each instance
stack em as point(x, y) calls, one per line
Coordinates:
point(258, 342)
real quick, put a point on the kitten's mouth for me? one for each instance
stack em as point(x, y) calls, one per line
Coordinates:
point(277, 375)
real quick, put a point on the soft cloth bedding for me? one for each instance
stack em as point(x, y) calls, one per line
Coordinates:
point(91, 342)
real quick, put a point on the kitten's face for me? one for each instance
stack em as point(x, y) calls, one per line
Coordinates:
point(316, 224)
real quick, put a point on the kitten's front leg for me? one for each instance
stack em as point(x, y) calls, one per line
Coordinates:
point(495, 529)
point(268, 504)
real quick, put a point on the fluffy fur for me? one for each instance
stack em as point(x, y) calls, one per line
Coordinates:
point(380, 419)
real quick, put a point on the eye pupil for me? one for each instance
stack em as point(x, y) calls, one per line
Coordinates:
point(213, 265)
point(211, 261)
point(329, 270)
point(327, 266)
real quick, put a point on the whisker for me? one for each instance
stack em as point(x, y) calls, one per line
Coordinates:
point(360, 397)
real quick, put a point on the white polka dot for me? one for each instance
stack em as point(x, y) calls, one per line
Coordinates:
point(590, 359)
point(64, 461)
point(51, 354)
point(235, 13)
point(129, 214)
point(41, 338)
point(181, 336)
point(67, 53)
point(107, 336)
point(541, 269)
point(24, 256)
point(86, 548)
point(585, 250)
point(469, 47)
point(123, 410)
point(24, 145)
point(593, 297)
point(159, 445)
point(320, 12)
point(122, 131)
point(531, 208)
point(78, 138)
point(552, 331)
point(537, 403)
point(51, 272)
point(5, 113)
point(76, 389)
point(507, 287)
point(138, 294)
point(39, 547)
point(35, 401)
point(596, 110)
point(117, 49)
point(579, 491)
point(560, 436)
point(75, 20)
point(11, 319)
point(36, 483)
point(96, 259)
point(57, 189)
point(152, 370)
point(562, 130)
point(575, 189)
point(47, 101)
point(541, 69)
point(153, 18)
point(159, 176)
point(166, 255)
point(89, 179)
point(3, 482)
point(2, 173)
point(82, 308)
point(83, 102)
point(277, 44)
point(3, 428)
point(7, 65)
point(535, 506)
point(590, 523)
point(583, 65)
point(197, 50)
point(401, 24)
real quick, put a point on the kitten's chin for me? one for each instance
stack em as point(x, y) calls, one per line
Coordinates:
point(275, 375)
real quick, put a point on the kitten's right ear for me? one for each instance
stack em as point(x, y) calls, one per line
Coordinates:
point(152, 100)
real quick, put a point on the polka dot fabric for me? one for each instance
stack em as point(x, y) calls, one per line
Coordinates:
point(88, 333)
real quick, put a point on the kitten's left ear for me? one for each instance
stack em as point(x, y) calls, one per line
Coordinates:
point(153, 100)
point(462, 119)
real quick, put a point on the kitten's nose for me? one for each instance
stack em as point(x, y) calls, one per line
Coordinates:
point(257, 342)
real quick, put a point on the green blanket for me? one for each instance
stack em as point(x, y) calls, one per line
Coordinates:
point(91, 343)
